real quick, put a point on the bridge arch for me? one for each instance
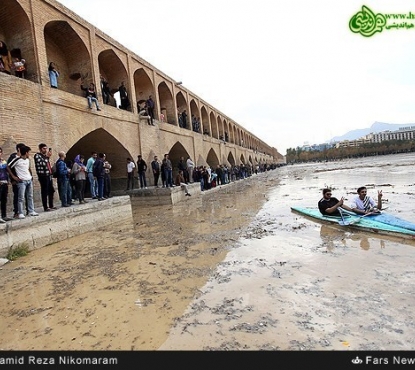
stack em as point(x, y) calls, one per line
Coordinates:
point(66, 49)
point(233, 131)
point(16, 33)
point(220, 127)
point(143, 88)
point(231, 159)
point(167, 104)
point(113, 70)
point(182, 107)
point(214, 124)
point(177, 151)
point(226, 130)
point(238, 137)
point(212, 159)
point(102, 141)
point(194, 113)
point(242, 159)
point(205, 121)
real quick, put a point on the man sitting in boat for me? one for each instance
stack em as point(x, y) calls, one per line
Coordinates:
point(363, 204)
point(329, 205)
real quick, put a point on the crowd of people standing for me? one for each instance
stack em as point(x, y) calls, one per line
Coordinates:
point(76, 177)
point(71, 179)
point(187, 173)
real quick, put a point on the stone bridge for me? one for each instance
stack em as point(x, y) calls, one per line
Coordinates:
point(44, 31)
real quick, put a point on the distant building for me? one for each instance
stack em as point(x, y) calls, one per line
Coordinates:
point(316, 147)
point(349, 143)
point(403, 133)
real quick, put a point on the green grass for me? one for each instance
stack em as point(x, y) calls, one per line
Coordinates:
point(19, 251)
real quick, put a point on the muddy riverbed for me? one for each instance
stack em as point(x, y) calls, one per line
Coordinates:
point(234, 269)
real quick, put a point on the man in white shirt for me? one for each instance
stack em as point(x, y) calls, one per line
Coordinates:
point(24, 180)
point(363, 204)
point(130, 173)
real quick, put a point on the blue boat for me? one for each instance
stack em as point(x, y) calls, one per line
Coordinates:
point(382, 223)
point(389, 219)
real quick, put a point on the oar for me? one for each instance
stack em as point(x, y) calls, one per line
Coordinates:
point(352, 222)
point(342, 222)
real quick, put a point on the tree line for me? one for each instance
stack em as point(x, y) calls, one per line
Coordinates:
point(331, 154)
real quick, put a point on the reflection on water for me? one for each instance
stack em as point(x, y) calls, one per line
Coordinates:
point(364, 243)
point(294, 283)
point(333, 236)
point(330, 236)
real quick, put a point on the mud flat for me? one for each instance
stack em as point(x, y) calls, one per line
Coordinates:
point(233, 269)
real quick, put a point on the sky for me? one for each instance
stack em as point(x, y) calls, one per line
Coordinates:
point(291, 72)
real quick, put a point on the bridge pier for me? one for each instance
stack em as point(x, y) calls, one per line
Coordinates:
point(163, 196)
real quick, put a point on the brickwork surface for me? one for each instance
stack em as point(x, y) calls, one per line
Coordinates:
point(32, 112)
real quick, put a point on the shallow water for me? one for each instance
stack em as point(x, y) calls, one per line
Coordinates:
point(235, 269)
point(297, 284)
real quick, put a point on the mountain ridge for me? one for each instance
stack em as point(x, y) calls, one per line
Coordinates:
point(376, 127)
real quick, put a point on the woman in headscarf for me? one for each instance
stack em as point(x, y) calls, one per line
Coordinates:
point(5, 59)
point(79, 170)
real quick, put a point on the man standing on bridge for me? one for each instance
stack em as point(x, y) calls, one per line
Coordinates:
point(168, 171)
point(150, 108)
point(92, 180)
point(44, 174)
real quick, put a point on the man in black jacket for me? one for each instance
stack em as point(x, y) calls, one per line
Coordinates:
point(183, 167)
point(44, 174)
point(125, 101)
point(106, 92)
point(91, 95)
point(99, 173)
point(141, 169)
point(155, 166)
point(150, 108)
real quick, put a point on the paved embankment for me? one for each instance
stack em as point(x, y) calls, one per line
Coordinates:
point(51, 227)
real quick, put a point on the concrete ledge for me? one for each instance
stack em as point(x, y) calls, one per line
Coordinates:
point(163, 196)
point(52, 227)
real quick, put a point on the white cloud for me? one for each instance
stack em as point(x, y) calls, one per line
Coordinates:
point(289, 71)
